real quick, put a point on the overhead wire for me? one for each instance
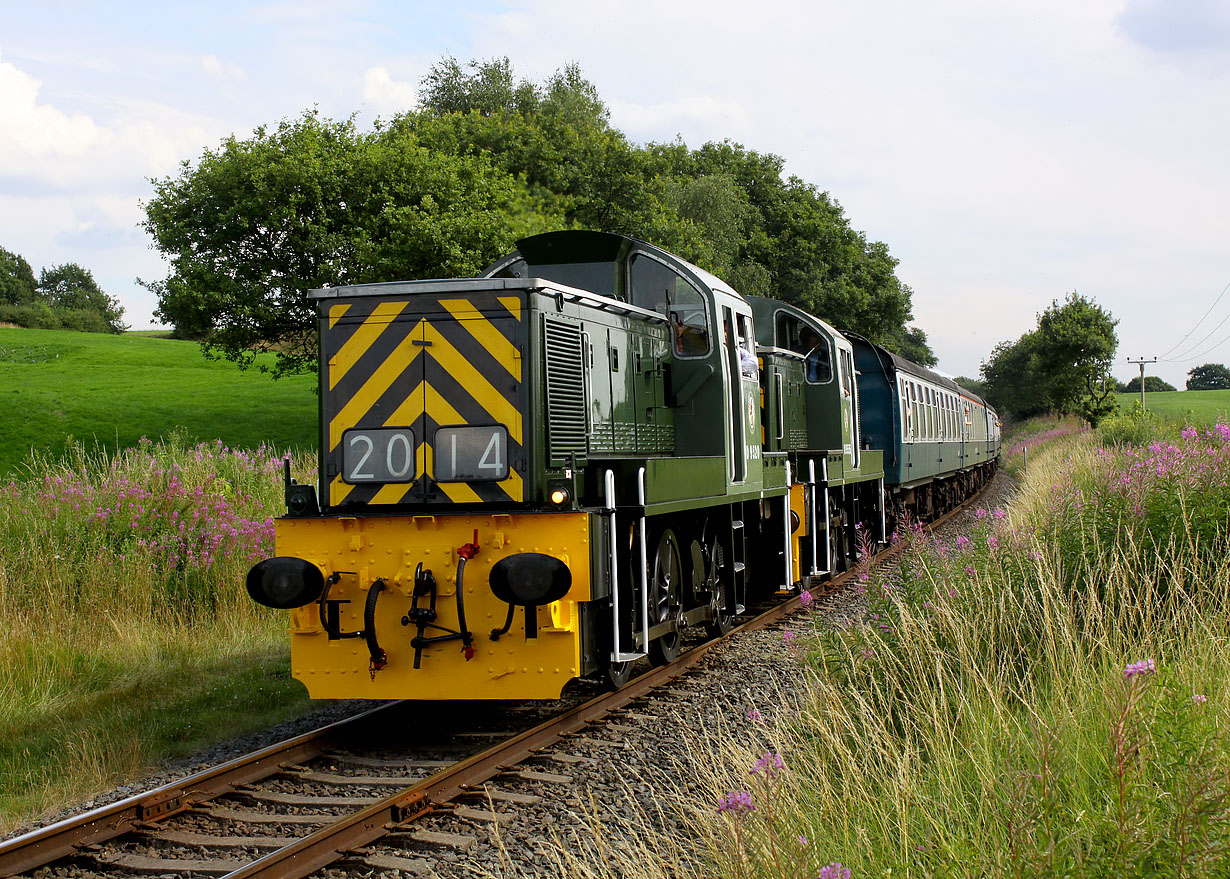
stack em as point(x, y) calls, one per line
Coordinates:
point(1203, 353)
point(1197, 325)
point(1179, 358)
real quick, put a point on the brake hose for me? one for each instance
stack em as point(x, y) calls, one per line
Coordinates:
point(379, 657)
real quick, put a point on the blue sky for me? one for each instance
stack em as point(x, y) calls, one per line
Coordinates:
point(1006, 152)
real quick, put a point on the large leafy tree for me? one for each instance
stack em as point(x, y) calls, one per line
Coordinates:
point(1061, 366)
point(255, 224)
point(1208, 377)
point(17, 284)
point(446, 188)
point(71, 288)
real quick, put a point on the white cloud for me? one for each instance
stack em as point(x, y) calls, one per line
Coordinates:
point(385, 95)
point(30, 130)
point(214, 66)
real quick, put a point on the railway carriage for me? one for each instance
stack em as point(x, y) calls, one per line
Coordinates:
point(941, 441)
point(556, 469)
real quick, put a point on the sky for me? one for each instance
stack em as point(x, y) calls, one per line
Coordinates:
point(1007, 153)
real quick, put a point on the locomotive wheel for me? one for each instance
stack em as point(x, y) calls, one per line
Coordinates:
point(665, 596)
point(618, 674)
point(715, 579)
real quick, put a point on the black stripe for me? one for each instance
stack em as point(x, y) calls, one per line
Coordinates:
point(342, 331)
point(471, 411)
point(371, 360)
point(472, 351)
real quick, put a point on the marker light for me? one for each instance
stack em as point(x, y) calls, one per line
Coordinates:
point(559, 496)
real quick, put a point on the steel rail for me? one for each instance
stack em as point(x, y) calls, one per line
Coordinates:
point(71, 835)
point(330, 843)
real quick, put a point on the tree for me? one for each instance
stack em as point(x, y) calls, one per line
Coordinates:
point(1062, 366)
point(1076, 347)
point(978, 386)
point(17, 284)
point(448, 187)
point(1208, 377)
point(70, 288)
point(1010, 378)
point(254, 225)
point(1153, 384)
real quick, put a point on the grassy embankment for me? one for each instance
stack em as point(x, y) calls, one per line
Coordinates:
point(58, 387)
point(1046, 698)
point(128, 637)
point(1193, 407)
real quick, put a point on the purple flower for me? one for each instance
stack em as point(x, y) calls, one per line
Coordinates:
point(789, 637)
point(805, 598)
point(1200, 698)
point(1000, 512)
point(770, 764)
point(962, 542)
point(971, 571)
point(834, 871)
point(753, 714)
point(992, 542)
point(802, 839)
point(1188, 433)
point(980, 513)
point(737, 801)
point(1142, 668)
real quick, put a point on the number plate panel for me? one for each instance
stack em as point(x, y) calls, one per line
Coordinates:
point(471, 454)
point(378, 454)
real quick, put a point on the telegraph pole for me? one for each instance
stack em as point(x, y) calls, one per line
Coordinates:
point(1141, 363)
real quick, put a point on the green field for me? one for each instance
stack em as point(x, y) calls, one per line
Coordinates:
point(59, 386)
point(1197, 407)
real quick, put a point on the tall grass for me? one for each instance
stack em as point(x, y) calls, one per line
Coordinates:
point(128, 636)
point(1045, 698)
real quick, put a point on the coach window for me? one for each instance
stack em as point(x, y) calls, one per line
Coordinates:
point(904, 403)
point(658, 287)
point(916, 420)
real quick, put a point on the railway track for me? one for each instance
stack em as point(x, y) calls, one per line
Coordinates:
point(321, 798)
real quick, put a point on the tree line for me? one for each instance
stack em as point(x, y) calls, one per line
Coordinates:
point(448, 187)
point(63, 297)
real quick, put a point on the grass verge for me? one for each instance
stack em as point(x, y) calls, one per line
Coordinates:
point(129, 639)
point(1047, 697)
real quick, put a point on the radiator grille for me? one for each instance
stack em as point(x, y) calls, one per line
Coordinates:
point(566, 429)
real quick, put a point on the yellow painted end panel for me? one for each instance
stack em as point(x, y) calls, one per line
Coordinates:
point(798, 505)
point(363, 550)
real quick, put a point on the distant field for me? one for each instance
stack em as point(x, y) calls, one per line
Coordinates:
point(1199, 407)
point(115, 389)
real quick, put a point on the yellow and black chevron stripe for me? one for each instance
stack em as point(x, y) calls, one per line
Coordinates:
point(423, 362)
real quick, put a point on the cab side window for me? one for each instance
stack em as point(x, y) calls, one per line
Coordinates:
point(794, 335)
point(659, 288)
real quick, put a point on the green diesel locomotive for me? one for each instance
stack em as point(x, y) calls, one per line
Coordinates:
point(556, 469)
